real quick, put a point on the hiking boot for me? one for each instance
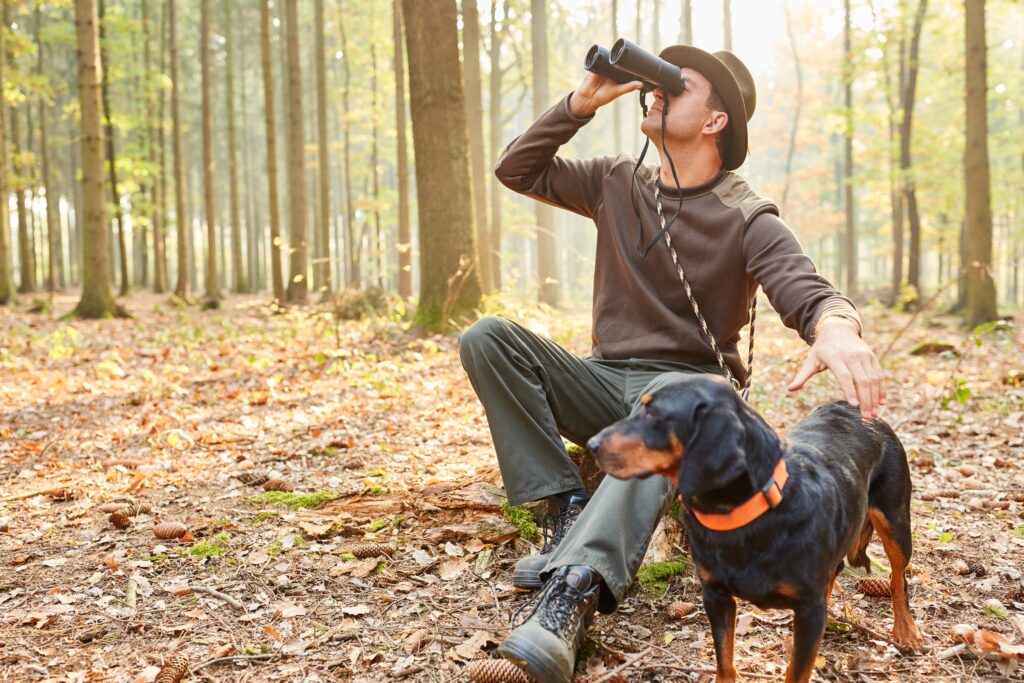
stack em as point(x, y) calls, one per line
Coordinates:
point(557, 523)
point(545, 644)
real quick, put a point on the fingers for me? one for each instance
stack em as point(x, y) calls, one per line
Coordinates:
point(809, 369)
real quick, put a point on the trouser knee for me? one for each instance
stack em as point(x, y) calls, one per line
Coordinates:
point(480, 340)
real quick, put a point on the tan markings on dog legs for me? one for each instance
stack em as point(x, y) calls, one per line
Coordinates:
point(787, 590)
point(725, 671)
point(904, 630)
point(626, 456)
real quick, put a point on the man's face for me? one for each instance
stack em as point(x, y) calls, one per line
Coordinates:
point(688, 114)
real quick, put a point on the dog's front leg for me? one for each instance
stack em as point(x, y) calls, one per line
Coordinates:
point(808, 629)
point(721, 611)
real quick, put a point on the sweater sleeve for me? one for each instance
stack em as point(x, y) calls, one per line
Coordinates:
point(529, 164)
point(795, 289)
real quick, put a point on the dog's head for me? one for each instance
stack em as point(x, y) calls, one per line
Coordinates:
point(690, 431)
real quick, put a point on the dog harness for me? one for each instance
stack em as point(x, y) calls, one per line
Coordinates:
point(761, 502)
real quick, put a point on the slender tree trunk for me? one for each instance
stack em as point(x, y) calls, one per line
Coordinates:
point(475, 117)
point(97, 300)
point(54, 271)
point(727, 24)
point(449, 282)
point(547, 266)
point(184, 225)
point(907, 96)
point(794, 127)
point(981, 289)
point(324, 169)
point(378, 252)
point(115, 194)
point(404, 228)
point(6, 261)
point(685, 23)
point(160, 186)
point(241, 282)
point(850, 243)
point(209, 205)
point(497, 32)
point(297, 280)
point(271, 132)
point(26, 257)
point(352, 246)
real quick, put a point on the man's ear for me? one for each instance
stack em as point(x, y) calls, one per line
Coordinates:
point(714, 454)
point(716, 122)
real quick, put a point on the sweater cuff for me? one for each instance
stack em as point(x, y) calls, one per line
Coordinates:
point(572, 117)
point(837, 308)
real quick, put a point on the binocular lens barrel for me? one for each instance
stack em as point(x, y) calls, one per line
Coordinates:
point(631, 58)
point(598, 62)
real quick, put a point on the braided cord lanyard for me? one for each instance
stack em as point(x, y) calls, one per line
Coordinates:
point(705, 330)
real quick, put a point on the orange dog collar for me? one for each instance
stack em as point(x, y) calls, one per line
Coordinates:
point(755, 506)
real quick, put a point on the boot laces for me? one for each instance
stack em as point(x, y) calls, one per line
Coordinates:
point(557, 526)
point(555, 606)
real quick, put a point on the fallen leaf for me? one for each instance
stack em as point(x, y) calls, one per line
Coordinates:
point(356, 610)
point(452, 568)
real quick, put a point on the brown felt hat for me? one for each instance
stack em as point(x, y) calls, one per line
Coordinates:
point(733, 82)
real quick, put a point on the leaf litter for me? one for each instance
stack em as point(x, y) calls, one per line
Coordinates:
point(391, 555)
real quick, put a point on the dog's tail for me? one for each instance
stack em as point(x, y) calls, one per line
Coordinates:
point(858, 556)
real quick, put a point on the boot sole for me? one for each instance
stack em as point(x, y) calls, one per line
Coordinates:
point(527, 579)
point(534, 661)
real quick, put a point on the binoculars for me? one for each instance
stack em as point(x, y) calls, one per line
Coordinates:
point(628, 61)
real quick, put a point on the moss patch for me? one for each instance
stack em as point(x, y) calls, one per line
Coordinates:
point(264, 515)
point(654, 577)
point(522, 518)
point(295, 501)
point(215, 546)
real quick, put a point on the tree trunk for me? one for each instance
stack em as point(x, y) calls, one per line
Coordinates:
point(378, 252)
point(794, 127)
point(850, 243)
point(449, 281)
point(907, 95)
point(6, 260)
point(475, 119)
point(404, 228)
point(184, 225)
point(271, 132)
point(494, 238)
point(55, 270)
point(297, 278)
point(324, 169)
point(115, 194)
point(26, 259)
point(547, 266)
point(209, 206)
point(97, 300)
point(160, 186)
point(981, 289)
point(727, 24)
point(685, 22)
point(352, 247)
point(241, 282)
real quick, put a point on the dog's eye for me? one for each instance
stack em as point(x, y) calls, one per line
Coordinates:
point(651, 412)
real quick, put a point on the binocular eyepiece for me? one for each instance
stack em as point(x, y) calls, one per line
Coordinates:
point(627, 62)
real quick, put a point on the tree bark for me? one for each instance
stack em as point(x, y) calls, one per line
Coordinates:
point(475, 119)
point(727, 24)
point(241, 281)
point(160, 162)
point(378, 242)
point(981, 289)
point(907, 95)
point(685, 22)
point(298, 284)
point(271, 132)
point(6, 260)
point(497, 32)
point(26, 258)
point(97, 300)
point(547, 266)
point(115, 193)
point(794, 127)
point(184, 225)
point(404, 228)
point(324, 169)
point(449, 281)
point(55, 270)
point(850, 242)
point(212, 277)
point(352, 247)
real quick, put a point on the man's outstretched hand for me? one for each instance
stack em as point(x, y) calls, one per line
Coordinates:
point(596, 91)
point(839, 348)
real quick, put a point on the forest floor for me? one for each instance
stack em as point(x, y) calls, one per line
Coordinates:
point(381, 436)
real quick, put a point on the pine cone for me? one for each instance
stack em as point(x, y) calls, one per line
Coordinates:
point(496, 671)
point(62, 493)
point(874, 587)
point(137, 509)
point(120, 520)
point(976, 568)
point(364, 550)
point(174, 670)
point(169, 530)
point(113, 507)
point(1015, 595)
point(948, 493)
point(252, 478)
point(1016, 496)
point(277, 485)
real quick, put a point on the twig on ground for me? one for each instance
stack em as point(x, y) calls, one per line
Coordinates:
point(625, 665)
point(217, 594)
point(877, 635)
point(242, 658)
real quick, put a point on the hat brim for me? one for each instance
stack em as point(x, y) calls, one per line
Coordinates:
point(715, 70)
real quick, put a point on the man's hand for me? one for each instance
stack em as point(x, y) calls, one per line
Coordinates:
point(596, 91)
point(839, 348)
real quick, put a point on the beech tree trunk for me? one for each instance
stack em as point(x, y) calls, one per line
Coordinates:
point(475, 119)
point(547, 265)
point(794, 127)
point(497, 32)
point(404, 229)
point(850, 242)
point(241, 281)
point(685, 22)
point(298, 284)
point(276, 269)
point(160, 186)
point(115, 193)
point(55, 251)
point(182, 289)
point(324, 169)
point(209, 206)
point(727, 25)
point(352, 247)
point(449, 280)
point(6, 259)
point(97, 300)
point(907, 95)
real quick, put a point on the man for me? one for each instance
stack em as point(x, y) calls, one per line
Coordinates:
point(645, 332)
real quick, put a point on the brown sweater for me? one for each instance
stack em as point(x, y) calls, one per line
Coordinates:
point(728, 239)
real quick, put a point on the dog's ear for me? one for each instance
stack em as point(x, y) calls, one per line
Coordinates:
point(714, 452)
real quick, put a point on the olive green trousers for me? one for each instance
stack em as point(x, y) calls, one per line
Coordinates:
point(534, 392)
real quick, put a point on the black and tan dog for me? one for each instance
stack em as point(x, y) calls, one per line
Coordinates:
point(771, 520)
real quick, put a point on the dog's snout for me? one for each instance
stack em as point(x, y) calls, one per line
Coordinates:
point(594, 443)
